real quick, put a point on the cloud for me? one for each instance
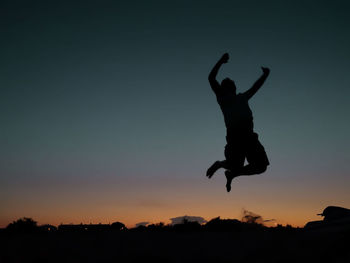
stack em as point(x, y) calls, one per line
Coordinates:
point(180, 219)
point(141, 224)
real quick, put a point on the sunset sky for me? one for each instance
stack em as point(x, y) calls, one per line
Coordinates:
point(107, 114)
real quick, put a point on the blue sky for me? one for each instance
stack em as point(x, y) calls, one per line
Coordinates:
point(106, 110)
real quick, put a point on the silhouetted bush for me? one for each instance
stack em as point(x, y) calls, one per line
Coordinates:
point(251, 218)
point(23, 225)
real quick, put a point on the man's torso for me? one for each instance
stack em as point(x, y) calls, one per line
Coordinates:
point(237, 113)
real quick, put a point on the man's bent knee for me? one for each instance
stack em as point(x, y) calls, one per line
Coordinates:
point(261, 169)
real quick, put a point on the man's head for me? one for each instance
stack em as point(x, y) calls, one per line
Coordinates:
point(228, 85)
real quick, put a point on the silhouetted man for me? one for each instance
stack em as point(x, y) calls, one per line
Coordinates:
point(242, 141)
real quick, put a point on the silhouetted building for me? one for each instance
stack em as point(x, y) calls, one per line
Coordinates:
point(71, 227)
point(48, 228)
point(84, 227)
point(335, 219)
point(332, 213)
point(118, 226)
point(92, 227)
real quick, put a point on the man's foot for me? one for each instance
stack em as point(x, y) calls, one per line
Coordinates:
point(229, 177)
point(212, 169)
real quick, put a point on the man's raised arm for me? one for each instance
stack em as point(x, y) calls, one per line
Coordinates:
point(257, 85)
point(212, 75)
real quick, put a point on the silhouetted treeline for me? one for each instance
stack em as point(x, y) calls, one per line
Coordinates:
point(28, 225)
point(335, 219)
point(186, 241)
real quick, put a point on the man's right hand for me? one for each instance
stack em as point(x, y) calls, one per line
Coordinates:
point(224, 58)
point(265, 70)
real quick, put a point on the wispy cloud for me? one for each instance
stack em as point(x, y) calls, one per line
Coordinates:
point(141, 224)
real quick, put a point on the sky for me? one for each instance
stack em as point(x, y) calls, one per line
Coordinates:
point(107, 114)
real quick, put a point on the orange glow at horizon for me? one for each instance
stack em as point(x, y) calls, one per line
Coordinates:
point(130, 220)
point(150, 202)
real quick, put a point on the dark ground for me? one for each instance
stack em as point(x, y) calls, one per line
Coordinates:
point(262, 245)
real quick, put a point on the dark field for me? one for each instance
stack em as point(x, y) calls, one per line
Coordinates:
point(252, 245)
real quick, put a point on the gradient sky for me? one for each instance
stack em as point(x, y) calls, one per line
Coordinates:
point(106, 112)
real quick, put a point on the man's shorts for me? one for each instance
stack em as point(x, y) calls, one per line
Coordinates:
point(245, 146)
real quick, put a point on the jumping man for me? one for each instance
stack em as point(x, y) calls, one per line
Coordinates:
point(242, 141)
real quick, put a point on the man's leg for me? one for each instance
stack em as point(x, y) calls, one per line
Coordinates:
point(216, 166)
point(235, 157)
point(229, 175)
point(251, 169)
point(245, 170)
point(256, 157)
